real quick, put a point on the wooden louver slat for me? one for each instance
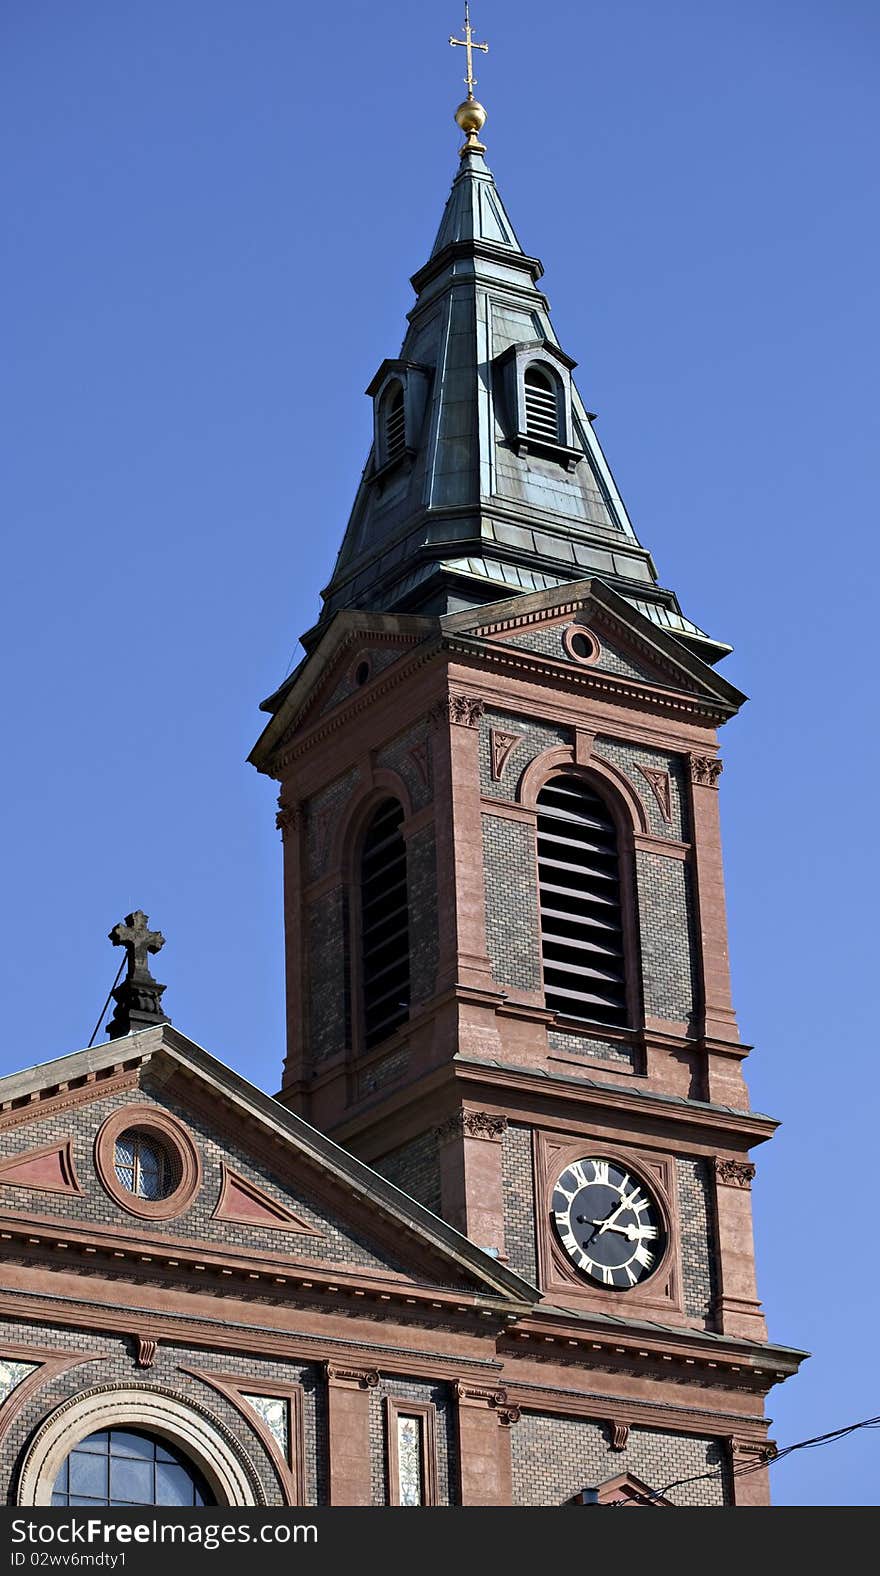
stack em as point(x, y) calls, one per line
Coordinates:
point(579, 888)
point(384, 925)
point(542, 410)
point(395, 425)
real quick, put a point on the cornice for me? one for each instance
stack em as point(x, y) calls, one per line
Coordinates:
point(677, 1354)
point(40, 1103)
point(226, 1335)
point(263, 1274)
point(752, 1126)
point(632, 692)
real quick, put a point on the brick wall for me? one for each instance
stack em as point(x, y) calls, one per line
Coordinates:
point(328, 975)
point(555, 1457)
point(421, 875)
point(338, 1242)
point(512, 922)
point(322, 815)
point(119, 1366)
point(628, 758)
point(536, 738)
point(589, 1047)
point(415, 769)
point(697, 1236)
point(445, 1431)
point(415, 1168)
point(666, 925)
point(519, 1200)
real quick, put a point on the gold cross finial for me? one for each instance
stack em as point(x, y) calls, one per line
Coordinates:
point(470, 115)
point(468, 43)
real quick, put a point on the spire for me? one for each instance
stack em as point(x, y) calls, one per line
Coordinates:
point(485, 477)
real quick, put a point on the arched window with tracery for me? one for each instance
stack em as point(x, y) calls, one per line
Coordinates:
point(384, 917)
point(579, 880)
point(542, 403)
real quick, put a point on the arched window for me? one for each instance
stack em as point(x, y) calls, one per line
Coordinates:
point(384, 924)
point(542, 404)
point(393, 423)
point(118, 1466)
point(579, 885)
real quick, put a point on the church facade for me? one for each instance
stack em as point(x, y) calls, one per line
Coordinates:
point(491, 1242)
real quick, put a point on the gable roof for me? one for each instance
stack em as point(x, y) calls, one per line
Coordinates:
point(409, 1218)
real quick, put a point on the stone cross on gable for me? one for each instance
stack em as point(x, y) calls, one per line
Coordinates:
point(139, 941)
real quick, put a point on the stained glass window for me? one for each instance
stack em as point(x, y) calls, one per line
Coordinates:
point(410, 1466)
point(118, 1466)
point(143, 1166)
point(11, 1374)
point(274, 1410)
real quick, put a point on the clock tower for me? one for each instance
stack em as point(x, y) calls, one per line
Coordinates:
point(506, 947)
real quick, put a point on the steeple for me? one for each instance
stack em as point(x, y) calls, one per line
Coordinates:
point(485, 477)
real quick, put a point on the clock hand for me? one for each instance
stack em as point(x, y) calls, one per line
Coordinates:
point(632, 1232)
point(625, 1203)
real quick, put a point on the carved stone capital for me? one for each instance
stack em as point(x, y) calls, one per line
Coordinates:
point(734, 1173)
point(354, 1378)
point(464, 710)
point(471, 1124)
point(618, 1434)
point(706, 770)
point(287, 820)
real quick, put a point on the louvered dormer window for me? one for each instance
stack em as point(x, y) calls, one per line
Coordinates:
point(394, 423)
point(384, 925)
point(580, 900)
point(542, 405)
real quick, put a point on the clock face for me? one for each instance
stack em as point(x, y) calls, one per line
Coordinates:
point(608, 1223)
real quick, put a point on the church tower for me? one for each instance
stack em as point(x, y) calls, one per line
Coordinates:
point(506, 949)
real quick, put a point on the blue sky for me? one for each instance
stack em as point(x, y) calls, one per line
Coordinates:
point(212, 212)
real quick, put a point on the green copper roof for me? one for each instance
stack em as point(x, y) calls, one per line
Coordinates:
point(467, 514)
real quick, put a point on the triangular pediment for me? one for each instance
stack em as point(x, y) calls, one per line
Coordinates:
point(253, 1190)
point(624, 1491)
point(347, 664)
point(588, 625)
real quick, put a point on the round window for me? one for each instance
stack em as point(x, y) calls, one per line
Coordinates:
point(143, 1165)
point(148, 1162)
point(581, 645)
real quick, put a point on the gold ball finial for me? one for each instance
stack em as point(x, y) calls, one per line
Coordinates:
point(470, 116)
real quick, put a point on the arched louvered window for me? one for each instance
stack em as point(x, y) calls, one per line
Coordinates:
point(394, 423)
point(384, 924)
point(542, 404)
point(580, 898)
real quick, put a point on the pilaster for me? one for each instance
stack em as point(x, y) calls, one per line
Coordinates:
point(348, 1433)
